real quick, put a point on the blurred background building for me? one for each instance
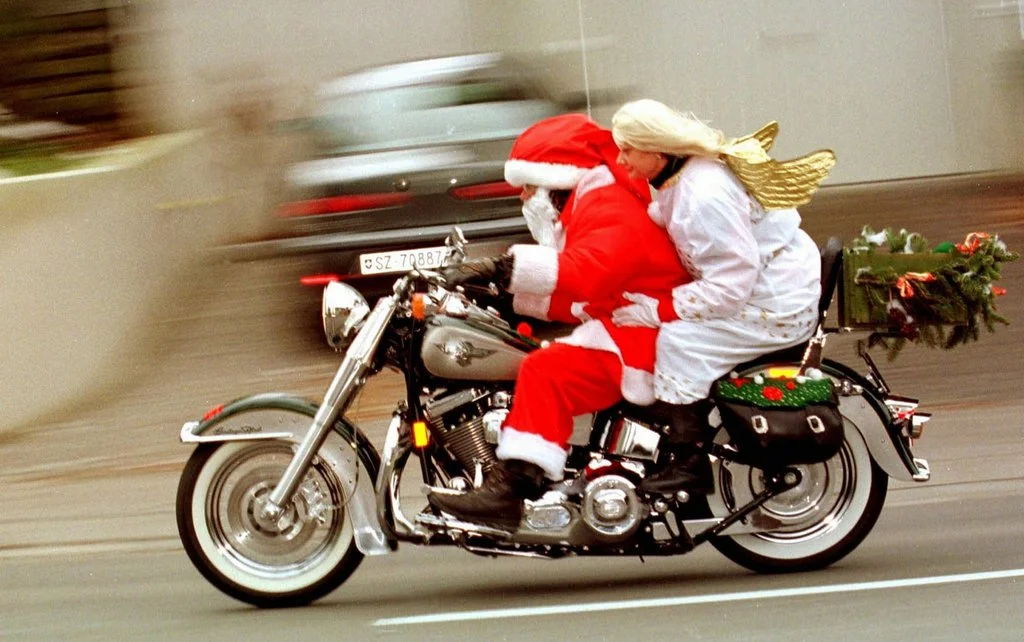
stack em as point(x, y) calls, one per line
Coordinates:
point(898, 89)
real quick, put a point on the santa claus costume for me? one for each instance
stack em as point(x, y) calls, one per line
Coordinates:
point(602, 244)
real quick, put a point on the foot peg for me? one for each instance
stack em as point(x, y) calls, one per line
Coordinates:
point(449, 523)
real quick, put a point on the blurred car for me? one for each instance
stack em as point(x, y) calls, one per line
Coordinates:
point(398, 155)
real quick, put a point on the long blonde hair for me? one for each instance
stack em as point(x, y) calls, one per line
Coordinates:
point(650, 126)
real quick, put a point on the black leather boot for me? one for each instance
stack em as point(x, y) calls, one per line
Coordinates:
point(688, 467)
point(498, 502)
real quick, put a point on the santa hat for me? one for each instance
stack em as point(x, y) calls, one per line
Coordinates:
point(556, 152)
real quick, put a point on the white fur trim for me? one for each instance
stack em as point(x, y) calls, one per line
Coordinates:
point(531, 447)
point(532, 305)
point(593, 335)
point(654, 212)
point(595, 178)
point(549, 175)
point(534, 270)
point(637, 386)
point(579, 310)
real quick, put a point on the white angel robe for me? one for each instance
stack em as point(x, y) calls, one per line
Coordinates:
point(757, 280)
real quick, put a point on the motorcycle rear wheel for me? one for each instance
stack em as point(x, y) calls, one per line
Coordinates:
point(817, 523)
point(300, 558)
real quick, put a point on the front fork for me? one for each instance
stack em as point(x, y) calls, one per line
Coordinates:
point(347, 381)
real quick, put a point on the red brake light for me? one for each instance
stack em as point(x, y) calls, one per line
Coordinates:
point(213, 412)
point(318, 280)
point(482, 191)
point(342, 204)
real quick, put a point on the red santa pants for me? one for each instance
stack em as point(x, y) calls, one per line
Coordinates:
point(555, 384)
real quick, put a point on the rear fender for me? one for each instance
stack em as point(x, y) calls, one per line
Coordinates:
point(872, 419)
point(287, 417)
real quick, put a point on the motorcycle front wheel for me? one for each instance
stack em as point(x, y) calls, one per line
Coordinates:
point(811, 526)
point(295, 560)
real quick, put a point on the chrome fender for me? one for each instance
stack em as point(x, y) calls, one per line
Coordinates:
point(287, 417)
point(861, 413)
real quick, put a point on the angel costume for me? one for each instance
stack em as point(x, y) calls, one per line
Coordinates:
point(756, 279)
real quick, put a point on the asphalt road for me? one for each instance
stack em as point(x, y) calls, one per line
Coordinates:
point(87, 538)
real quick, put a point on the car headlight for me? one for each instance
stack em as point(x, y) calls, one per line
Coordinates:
point(344, 310)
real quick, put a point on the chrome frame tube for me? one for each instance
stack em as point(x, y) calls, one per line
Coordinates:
point(389, 505)
point(346, 381)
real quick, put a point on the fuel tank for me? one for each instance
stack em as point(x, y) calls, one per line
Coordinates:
point(471, 350)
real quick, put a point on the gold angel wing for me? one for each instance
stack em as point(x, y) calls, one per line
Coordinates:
point(783, 184)
point(764, 136)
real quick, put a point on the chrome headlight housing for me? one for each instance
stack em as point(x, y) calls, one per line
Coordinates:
point(344, 311)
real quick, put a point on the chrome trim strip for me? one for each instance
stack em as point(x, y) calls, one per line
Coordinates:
point(188, 435)
point(361, 240)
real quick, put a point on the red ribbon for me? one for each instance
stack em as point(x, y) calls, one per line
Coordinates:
point(905, 284)
point(971, 243)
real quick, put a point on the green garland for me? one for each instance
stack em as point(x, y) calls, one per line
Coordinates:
point(945, 307)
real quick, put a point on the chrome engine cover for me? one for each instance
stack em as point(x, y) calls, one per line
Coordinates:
point(607, 512)
point(611, 508)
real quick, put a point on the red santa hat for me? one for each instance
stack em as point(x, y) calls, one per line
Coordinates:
point(556, 152)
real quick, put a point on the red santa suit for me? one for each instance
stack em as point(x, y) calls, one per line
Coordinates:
point(607, 245)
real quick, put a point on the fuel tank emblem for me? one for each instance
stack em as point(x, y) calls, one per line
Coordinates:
point(463, 352)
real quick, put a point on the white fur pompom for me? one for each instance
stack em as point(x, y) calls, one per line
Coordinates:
point(654, 211)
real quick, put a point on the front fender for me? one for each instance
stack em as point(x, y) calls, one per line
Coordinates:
point(287, 417)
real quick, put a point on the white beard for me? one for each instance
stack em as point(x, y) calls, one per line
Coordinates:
point(542, 218)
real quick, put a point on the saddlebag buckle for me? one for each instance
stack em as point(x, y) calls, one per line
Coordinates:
point(760, 424)
point(815, 424)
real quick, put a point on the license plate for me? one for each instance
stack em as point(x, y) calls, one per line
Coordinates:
point(401, 260)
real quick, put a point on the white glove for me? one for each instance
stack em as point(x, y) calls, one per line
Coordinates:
point(542, 218)
point(643, 312)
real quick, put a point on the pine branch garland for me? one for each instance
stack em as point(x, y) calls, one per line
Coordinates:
point(944, 308)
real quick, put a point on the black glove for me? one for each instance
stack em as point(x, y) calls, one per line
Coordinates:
point(497, 269)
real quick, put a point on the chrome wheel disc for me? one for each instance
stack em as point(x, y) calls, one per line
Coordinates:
point(810, 509)
point(299, 540)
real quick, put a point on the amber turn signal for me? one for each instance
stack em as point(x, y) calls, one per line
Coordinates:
point(419, 306)
point(420, 434)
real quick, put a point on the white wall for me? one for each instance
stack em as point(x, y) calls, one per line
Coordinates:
point(90, 260)
point(897, 88)
point(192, 59)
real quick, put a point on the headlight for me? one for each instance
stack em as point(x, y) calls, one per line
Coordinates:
point(344, 310)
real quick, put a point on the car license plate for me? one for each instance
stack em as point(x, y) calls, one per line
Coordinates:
point(401, 260)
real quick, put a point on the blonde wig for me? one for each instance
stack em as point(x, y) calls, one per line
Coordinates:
point(650, 126)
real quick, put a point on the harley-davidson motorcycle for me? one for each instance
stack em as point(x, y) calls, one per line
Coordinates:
point(282, 498)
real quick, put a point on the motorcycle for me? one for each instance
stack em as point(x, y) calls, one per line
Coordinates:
point(282, 498)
